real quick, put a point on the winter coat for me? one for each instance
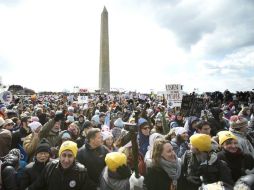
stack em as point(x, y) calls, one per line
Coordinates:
point(50, 135)
point(237, 162)
point(9, 172)
point(31, 173)
point(93, 159)
point(143, 142)
point(54, 177)
point(188, 124)
point(192, 170)
point(157, 178)
point(244, 144)
point(179, 147)
point(108, 182)
point(5, 142)
point(30, 143)
point(18, 137)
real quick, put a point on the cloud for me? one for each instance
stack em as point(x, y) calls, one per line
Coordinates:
point(217, 27)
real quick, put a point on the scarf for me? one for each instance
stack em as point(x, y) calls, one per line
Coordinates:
point(173, 169)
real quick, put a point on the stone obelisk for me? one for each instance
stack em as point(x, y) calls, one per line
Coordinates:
point(104, 74)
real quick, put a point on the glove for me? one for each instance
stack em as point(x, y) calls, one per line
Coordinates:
point(59, 116)
point(136, 182)
point(249, 171)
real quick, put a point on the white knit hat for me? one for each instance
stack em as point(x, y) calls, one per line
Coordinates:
point(34, 125)
point(106, 135)
point(180, 130)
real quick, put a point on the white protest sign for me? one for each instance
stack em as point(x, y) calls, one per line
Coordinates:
point(82, 99)
point(174, 94)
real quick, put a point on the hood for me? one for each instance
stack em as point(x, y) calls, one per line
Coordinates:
point(115, 183)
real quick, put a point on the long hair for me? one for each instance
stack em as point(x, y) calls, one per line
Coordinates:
point(157, 150)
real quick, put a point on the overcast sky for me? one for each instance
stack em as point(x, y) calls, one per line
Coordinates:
point(54, 44)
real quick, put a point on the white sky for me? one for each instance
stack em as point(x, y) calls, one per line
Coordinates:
point(54, 44)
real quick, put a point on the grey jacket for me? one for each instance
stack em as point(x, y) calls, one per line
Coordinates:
point(108, 183)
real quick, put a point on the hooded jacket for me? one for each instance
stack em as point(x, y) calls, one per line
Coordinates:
point(112, 181)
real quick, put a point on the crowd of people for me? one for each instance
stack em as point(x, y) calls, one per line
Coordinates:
point(57, 142)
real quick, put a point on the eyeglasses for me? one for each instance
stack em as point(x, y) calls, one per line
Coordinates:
point(145, 128)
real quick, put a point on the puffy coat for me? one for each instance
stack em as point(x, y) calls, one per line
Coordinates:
point(9, 172)
point(192, 170)
point(93, 159)
point(32, 172)
point(30, 143)
point(237, 162)
point(111, 181)
point(53, 177)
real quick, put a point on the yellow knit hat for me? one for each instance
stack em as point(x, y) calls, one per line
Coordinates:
point(225, 135)
point(69, 145)
point(202, 142)
point(114, 160)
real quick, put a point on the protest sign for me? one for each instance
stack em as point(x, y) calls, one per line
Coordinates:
point(174, 95)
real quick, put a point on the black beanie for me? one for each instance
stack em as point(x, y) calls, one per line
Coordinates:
point(43, 146)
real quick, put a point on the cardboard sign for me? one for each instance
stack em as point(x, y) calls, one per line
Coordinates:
point(192, 106)
point(174, 95)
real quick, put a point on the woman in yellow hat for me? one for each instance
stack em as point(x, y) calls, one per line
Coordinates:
point(239, 162)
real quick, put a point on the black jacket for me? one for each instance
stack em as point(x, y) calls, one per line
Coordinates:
point(156, 178)
point(18, 137)
point(237, 163)
point(31, 173)
point(192, 170)
point(9, 172)
point(94, 160)
point(53, 177)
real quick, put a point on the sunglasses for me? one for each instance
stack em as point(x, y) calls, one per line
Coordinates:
point(145, 128)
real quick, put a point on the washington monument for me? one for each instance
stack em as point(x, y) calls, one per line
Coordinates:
point(104, 74)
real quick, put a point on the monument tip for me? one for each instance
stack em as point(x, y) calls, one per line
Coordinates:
point(104, 9)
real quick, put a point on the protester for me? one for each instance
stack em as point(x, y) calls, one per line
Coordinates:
point(33, 170)
point(32, 140)
point(108, 141)
point(203, 127)
point(201, 165)
point(5, 139)
point(148, 156)
point(157, 127)
point(92, 155)
point(165, 169)
point(67, 168)
point(180, 142)
point(238, 126)
point(238, 162)
point(9, 167)
point(116, 173)
point(143, 135)
point(51, 130)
